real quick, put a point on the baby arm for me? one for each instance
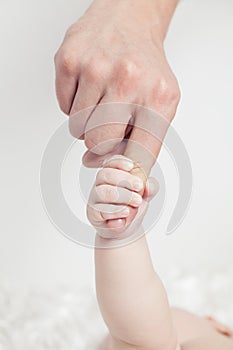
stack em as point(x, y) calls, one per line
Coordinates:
point(131, 297)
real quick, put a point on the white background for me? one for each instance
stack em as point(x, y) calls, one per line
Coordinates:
point(199, 46)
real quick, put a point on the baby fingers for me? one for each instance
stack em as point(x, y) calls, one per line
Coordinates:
point(120, 178)
point(115, 195)
point(119, 162)
point(151, 189)
point(103, 212)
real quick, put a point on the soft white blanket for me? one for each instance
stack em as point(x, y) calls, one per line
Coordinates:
point(68, 317)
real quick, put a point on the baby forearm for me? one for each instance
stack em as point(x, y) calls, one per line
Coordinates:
point(131, 297)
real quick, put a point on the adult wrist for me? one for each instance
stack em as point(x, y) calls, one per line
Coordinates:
point(152, 15)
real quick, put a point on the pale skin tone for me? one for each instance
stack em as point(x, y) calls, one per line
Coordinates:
point(131, 297)
point(114, 53)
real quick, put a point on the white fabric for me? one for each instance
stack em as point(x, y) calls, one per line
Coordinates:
point(68, 317)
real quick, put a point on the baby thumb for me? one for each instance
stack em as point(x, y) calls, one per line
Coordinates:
point(151, 189)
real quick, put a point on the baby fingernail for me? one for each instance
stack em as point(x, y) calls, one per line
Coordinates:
point(138, 185)
point(127, 165)
point(125, 211)
point(137, 199)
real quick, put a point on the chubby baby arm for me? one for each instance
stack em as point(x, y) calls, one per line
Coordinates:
point(131, 296)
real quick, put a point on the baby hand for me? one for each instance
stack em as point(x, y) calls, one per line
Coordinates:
point(119, 199)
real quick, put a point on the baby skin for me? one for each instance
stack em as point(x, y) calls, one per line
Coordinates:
point(131, 296)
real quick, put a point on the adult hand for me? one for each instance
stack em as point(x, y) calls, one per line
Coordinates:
point(114, 53)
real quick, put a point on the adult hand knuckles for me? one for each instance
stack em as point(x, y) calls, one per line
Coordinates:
point(67, 61)
point(129, 69)
point(166, 91)
point(128, 76)
point(96, 70)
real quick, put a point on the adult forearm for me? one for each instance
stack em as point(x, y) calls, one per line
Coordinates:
point(164, 12)
point(131, 296)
